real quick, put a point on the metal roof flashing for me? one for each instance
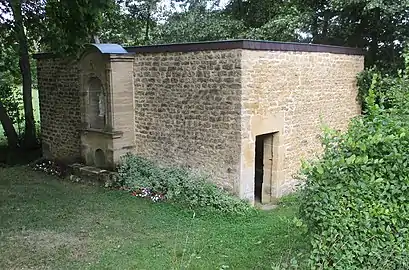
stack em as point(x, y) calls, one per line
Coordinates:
point(261, 45)
point(108, 48)
point(103, 48)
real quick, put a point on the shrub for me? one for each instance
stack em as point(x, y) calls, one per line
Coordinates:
point(178, 185)
point(389, 89)
point(355, 201)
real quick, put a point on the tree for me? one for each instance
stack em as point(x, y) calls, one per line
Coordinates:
point(7, 124)
point(9, 104)
point(381, 27)
point(119, 26)
point(197, 25)
point(68, 25)
point(257, 13)
point(143, 11)
point(24, 62)
point(61, 26)
point(10, 79)
point(196, 5)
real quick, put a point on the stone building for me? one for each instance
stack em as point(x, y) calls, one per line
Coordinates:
point(244, 111)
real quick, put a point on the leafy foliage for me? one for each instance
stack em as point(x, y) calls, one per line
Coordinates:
point(10, 95)
point(178, 185)
point(198, 26)
point(120, 26)
point(284, 27)
point(390, 89)
point(27, 26)
point(71, 24)
point(11, 98)
point(356, 197)
point(379, 27)
point(9, 77)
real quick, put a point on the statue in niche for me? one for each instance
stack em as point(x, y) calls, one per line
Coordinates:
point(91, 65)
point(101, 104)
point(97, 103)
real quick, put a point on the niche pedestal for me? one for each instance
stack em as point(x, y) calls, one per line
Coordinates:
point(107, 105)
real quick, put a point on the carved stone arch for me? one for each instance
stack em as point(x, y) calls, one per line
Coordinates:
point(93, 82)
point(106, 86)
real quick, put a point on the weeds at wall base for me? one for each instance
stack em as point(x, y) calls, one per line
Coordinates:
point(144, 179)
point(179, 185)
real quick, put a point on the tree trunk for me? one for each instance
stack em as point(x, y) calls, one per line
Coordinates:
point(11, 134)
point(148, 18)
point(241, 9)
point(325, 26)
point(314, 29)
point(374, 47)
point(29, 131)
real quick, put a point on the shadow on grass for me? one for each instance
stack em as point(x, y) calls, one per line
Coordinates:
point(13, 157)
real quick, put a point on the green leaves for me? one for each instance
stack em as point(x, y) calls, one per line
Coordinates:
point(350, 160)
point(320, 170)
point(198, 26)
point(71, 24)
point(356, 197)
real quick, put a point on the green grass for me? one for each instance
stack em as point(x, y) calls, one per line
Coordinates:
point(46, 223)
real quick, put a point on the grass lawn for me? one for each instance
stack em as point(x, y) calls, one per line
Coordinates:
point(46, 223)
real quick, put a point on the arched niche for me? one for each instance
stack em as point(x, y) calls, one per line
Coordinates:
point(106, 80)
point(96, 104)
point(95, 67)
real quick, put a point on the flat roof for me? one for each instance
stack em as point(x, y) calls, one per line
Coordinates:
point(235, 44)
point(244, 44)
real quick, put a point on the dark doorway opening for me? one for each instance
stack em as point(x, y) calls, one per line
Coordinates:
point(263, 168)
point(259, 172)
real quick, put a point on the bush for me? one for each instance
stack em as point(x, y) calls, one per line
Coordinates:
point(178, 185)
point(355, 201)
point(389, 89)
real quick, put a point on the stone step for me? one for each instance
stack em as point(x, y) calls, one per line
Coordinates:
point(92, 175)
point(265, 207)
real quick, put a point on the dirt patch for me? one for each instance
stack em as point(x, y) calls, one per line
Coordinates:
point(45, 246)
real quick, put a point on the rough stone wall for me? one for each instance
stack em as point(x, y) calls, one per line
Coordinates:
point(58, 85)
point(289, 93)
point(187, 110)
point(204, 109)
